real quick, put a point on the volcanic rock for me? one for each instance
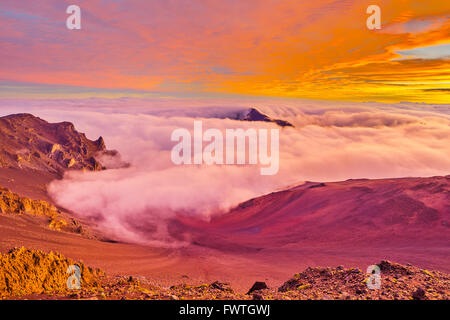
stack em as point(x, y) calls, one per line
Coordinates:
point(28, 142)
point(253, 114)
point(257, 286)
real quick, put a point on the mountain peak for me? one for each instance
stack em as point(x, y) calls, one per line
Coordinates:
point(29, 142)
point(100, 143)
point(253, 114)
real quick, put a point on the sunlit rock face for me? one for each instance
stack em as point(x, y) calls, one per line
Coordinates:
point(28, 142)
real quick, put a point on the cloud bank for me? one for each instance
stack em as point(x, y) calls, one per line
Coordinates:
point(330, 142)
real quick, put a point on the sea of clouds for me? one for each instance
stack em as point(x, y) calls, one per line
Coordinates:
point(331, 141)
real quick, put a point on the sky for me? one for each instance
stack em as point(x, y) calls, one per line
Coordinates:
point(318, 49)
point(330, 142)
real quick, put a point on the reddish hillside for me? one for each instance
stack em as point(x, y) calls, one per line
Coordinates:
point(353, 212)
point(350, 223)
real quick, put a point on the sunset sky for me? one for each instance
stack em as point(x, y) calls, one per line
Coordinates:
point(317, 49)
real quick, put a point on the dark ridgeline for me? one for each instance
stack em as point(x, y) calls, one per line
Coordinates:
point(254, 115)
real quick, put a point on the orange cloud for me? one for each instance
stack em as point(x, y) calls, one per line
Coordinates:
point(314, 49)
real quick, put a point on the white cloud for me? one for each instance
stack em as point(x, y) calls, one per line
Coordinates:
point(330, 142)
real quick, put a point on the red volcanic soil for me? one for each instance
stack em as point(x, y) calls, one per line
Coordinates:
point(354, 223)
point(28, 142)
point(351, 222)
point(408, 211)
point(29, 183)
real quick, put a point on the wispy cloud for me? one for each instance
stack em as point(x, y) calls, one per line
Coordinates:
point(330, 142)
point(439, 51)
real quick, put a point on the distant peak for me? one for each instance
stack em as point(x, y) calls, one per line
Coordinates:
point(100, 143)
point(253, 114)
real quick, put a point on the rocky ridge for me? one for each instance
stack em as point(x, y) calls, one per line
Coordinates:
point(35, 274)
point(28, 142)
point(12, 203)
point(254, 114)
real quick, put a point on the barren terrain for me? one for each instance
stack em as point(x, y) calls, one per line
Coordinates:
point(353, 224)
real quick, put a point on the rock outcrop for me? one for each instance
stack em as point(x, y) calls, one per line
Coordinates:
point(397, 282)
point(33, 274)
point(28, 142)
point(26, 272)
point(253, 114)
point(12, 203)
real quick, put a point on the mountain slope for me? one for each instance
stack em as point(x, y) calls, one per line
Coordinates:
point(28, 142)
point(355, 212)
